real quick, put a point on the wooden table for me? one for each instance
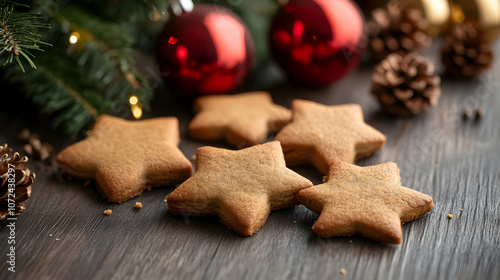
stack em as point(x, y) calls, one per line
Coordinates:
point(64, 235)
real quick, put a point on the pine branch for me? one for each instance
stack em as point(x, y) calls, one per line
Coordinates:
point(61, 90)
point(75, 83)
point(19, 34)
point(129, 10)
point(104, 50)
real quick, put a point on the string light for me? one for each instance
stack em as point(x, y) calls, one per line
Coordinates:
point(73, 38)
point(133, 100)
point(136, 111)
point(136, 108)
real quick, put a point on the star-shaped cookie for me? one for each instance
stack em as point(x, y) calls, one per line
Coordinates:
point(243, 119)
point(320, 135)
point(127, 157)
point(241, 187)
point(364, 200)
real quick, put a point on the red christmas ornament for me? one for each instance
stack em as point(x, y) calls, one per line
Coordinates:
point(318, 42)
point(206, 51)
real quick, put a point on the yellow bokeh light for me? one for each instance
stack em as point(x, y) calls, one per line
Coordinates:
point(457, 15)
point(73, 38)
point(133, 100)
point(136, 111)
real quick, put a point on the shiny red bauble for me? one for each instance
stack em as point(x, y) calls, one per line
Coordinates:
point(317, 42)
point(206, 51)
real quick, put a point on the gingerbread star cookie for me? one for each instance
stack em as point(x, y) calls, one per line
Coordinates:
point(127, 157)
point(241, 187)
point(364, 200)
point(320, 135)
point(243, 120)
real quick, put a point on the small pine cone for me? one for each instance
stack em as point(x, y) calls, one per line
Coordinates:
point(405, 85)
point(466, 52)
point(22, 180)
point(396, 29)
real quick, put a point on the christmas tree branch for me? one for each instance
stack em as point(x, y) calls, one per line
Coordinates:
point(19, 34)
point(61, 90)
point(105, 51)
point(89, 71)
point(133, 11)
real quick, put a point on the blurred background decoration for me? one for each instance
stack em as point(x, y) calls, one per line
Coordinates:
point(206, 49)
point(317, 42)
point(485, 13)
point(87, 66)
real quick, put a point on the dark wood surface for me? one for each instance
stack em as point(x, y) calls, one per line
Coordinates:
point(456, 162)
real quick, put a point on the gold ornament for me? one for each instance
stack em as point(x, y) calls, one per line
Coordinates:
point(484, 12)
point(437, 13)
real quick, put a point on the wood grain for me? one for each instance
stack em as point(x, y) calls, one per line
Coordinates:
point(457, 162)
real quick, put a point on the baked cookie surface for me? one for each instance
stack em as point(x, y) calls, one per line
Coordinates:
point(243, 120)
point(320, 135)
point(241, 187)
point(364, 200)
point(127, 157)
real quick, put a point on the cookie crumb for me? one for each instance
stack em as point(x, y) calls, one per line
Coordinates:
point(50, 234)
point(450, 216)
point(108, 212)
point(193, 157)
point(343, 271)
point(350, 241)
point(138, 205)
point(294, 222)
point(466, 114)
point(479, 113)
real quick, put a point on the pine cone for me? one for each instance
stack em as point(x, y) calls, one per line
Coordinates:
point(23, 179)
point(396, 28)
point(466, 52)
point(405, 85)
